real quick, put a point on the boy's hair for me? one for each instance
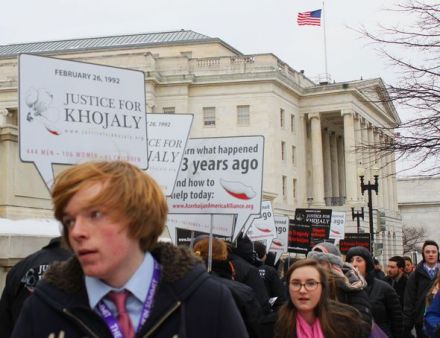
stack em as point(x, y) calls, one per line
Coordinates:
point(125, 189)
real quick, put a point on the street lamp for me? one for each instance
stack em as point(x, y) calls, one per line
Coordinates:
point(369, 187)
point(358, 215)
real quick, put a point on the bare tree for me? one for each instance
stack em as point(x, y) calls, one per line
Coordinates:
point(413, 48)
point(413, 238)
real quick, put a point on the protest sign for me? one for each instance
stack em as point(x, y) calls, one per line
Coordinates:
point(73, 112)
point(222, 224)
point(279, 244)
point(354, 239)
point(220, 176)
point(167, 137)
point(184, 237)
point(337, 225)
point(263, 228)
point(299, 237)
point(319, 219)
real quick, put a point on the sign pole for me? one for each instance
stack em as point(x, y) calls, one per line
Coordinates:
point(210, 244)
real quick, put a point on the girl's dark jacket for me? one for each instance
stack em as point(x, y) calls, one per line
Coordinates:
point(188, 303)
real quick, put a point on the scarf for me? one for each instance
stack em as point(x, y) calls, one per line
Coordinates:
point(305, 330)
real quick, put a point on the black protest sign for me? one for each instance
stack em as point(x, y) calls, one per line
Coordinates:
point(354, 239)
point(319, 219)
point(183, 236)
point(299, 237)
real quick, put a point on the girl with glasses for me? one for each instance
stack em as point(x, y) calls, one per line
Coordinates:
point(309, 311)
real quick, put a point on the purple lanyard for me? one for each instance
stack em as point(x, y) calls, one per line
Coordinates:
point(111, 321)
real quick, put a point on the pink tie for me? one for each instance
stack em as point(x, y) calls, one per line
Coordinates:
point(119, 299)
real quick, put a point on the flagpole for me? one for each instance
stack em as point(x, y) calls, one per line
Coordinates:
point(327, 78)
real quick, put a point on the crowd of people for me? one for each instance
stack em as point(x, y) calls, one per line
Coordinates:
point(113, 278)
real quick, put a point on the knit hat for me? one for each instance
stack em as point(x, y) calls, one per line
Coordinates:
point(364, 253)
point(327, 252)
point(245, 248)
point(429, 242)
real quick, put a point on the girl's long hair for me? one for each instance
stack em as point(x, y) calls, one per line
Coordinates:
point(331, 314)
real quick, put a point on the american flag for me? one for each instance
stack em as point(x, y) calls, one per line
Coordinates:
point(312, 18)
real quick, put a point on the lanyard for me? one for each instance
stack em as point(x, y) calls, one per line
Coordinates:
point(111, 321)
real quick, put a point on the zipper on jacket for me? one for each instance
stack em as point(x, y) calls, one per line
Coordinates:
point(161, 320)
point(80, 322)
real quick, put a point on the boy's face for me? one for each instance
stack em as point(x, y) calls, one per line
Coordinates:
point(430, 253)
point(99, 239)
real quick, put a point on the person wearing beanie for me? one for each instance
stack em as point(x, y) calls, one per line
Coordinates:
point(385, 305)
point(346, 284)
point(272, 281)
point(417, 288)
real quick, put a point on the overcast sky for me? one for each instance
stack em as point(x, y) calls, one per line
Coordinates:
point(257, 26)
point(250, 26)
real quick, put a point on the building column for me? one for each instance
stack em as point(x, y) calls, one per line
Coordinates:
point(341, 166)
point(390, 178)
point(334, 165)
point(395, 206)
point(350, 157)
point(359, 148)
point(317, 160)
point(372, 160)
point(384, 175)
point(379, 166)
point(328, 193)
point(3, 116)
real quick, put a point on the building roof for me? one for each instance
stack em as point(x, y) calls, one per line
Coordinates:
point(134, 40)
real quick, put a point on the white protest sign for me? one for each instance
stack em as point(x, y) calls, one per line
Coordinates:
point(279, 244)
point(222, 224)
point(337, 225)
point(167, 136)
point(263, 228)
point(220, 176)
point(73, 112)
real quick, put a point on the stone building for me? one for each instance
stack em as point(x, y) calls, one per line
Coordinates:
point(316, 134)
point(420, 207)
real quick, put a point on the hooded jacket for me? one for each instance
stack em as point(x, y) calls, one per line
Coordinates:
point(188, 303)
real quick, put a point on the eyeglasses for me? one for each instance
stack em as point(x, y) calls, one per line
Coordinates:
point(309, 285)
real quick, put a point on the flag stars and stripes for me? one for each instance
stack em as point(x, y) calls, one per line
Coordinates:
point(311, 18)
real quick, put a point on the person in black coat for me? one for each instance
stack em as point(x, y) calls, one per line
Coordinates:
point(243, 257)
point(189, 303)
point(419, 283)
point(22, 279)
point(121, 281)
point(244, 296)
point(273, 283)
point(396, 276)
point(385, 305)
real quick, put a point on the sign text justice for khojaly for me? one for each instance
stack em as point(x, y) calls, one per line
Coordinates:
point(73, 112)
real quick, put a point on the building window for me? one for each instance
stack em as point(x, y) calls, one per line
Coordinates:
point(282, 122)
point(283, 150)
point(169, 110)
point(292, 123)
point(293, 154)
point(243, 115)
point(284, 187)
point(209, 116)
point(294, 188)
